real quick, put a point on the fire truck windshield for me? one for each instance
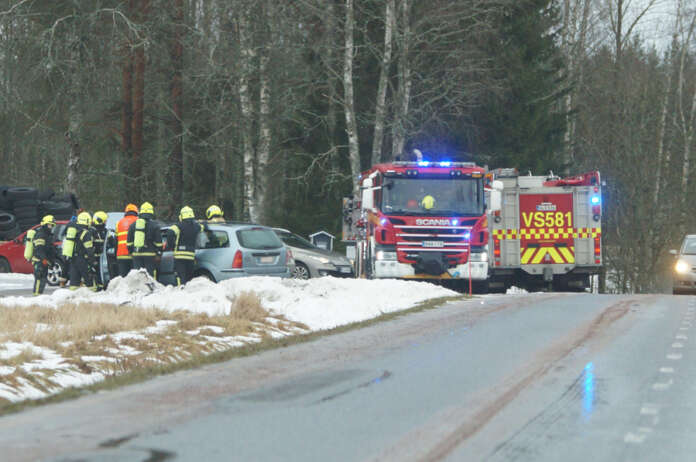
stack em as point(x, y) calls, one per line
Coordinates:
point(432, 196)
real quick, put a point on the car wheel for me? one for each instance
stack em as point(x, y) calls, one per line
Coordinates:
point(205, 274)
point(301, 271)
point(5, 266)
point(55, 271)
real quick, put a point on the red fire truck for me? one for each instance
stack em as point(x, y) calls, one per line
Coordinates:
point(421, 220)
point(547, 233)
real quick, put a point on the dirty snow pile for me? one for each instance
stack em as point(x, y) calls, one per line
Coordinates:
point(321, 303)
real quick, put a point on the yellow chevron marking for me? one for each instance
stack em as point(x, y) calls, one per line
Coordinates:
point(527, 254)
point(567, 254)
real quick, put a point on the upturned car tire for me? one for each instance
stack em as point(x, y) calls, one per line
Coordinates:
point(7, 221)
point(16, 194)
point(9, 234)
point(301, 271)
point(26, 212)
point(45, 195)
point(25, 203)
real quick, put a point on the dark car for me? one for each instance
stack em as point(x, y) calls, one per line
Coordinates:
point(12, 255)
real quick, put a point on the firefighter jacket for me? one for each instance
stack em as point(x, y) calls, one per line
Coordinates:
point(122, 252)
point(78, 242)
point(216, 220)
point(181, 237)
point(43, 244)
point(99, 237)
point(144, 237)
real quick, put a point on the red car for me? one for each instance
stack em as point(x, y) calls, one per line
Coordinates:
point(12, 255)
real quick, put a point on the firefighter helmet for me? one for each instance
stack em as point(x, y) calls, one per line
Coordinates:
point(48, 220)
point(147, 208)
point(428, 202)
point(213, 211)
point(186, 212)
point(99, 218)
point(131, 208)
point(84, 219)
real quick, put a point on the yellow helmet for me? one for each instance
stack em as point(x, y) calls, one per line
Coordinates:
point(48, 220)
point(99, 218)
point(186, 212)
point(428, 202)
point(213, 211)
point(84, 219)
point(147, 208)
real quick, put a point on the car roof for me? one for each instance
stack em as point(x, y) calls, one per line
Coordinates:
point(283, 230)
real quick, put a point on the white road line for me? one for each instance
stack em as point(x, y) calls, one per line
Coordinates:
point(663, 385)
point(681, 337)
point(649, 409)
point(638, 437)
point(667, 370)
point(683, 328)
point(674, 356)
point(677, 345)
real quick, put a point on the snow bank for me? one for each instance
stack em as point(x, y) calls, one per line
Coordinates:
point(321, 303)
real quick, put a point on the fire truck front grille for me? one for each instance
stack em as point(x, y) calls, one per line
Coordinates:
point(446, 239)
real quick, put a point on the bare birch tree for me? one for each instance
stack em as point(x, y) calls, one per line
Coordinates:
point(380, 103)
point(348, 95)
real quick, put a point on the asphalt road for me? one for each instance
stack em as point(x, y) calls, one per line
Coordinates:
point(540, 377)
point(25, 292)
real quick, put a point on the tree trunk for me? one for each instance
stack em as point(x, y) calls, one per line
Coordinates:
point(264, 148)
point(404, 79)
point(246, 54)
point(349, 102)
point(138, 109)
point(74, 150)
point(380, 104)
point(176, 184)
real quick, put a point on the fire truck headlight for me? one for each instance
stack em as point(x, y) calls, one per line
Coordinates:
point(681, 267)
point(384, 256)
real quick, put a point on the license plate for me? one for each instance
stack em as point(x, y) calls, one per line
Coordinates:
point(433, 244)
point(345, 269)
point(268, 259)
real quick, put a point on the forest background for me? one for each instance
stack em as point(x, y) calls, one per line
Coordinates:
point(272, 107)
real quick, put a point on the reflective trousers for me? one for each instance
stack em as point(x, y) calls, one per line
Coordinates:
point(147, 262)
point(80, 272)
point(40, 277)
point(124, 266)
point(184, 270)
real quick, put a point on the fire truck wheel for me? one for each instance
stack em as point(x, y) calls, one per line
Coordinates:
point(301, 271)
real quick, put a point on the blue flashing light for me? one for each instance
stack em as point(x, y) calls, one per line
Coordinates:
point(383, 221)
point(455, 222)
point(595, 200)
point(445, 163)
point(467, 235)
point(423, 163)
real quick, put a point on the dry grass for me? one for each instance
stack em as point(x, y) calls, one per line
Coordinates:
point(27, 355)
point(77, 323)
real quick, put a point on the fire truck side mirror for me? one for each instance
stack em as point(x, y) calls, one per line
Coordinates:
point(367, 195)
point(495, 201)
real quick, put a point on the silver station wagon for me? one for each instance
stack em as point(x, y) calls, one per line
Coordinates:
point(227, 250)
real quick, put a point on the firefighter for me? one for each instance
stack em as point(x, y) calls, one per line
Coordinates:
point(123, 256)
point(145, 240)
point(78, 249)
point(182, 239)
point(44, 253)
point(99, 237)
point(428, 202)
point(214, 214)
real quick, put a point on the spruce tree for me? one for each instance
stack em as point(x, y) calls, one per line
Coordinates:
point(522, 124)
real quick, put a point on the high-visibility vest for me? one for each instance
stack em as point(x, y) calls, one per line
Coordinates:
point(122, 236)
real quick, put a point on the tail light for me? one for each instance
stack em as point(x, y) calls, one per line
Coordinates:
point(237, 262)
point(597, 250)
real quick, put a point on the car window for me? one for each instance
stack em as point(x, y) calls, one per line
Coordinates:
point(212, 240)
point(294, 240)
point(689, 247)
point(258, 238)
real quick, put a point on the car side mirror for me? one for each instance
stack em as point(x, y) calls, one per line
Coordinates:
point(673, 252)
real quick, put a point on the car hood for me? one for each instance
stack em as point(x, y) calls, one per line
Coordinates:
point(334, 257)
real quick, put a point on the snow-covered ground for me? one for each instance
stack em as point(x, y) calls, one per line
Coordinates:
point(317, 303)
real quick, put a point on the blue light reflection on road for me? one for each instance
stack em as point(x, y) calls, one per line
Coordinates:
point(588, 390)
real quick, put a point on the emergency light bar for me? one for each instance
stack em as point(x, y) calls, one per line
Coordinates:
point(426, 163)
